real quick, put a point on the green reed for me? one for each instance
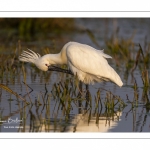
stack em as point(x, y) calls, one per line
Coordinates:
point(120, 48)
point(66, 92)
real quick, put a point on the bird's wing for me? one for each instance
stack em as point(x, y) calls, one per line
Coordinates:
point(91, 61)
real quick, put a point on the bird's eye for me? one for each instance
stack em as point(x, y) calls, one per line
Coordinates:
point(46, 65)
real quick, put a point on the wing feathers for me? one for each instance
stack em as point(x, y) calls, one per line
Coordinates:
point(91, 62)
point(103, 54)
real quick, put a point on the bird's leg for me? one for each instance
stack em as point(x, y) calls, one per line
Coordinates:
point(87, 96)
point(79, 96)
point(54, 68)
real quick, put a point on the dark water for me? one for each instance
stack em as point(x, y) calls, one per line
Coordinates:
point(50, 117)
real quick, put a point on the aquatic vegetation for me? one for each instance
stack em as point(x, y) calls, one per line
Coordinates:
point(25, 28)
point(67, 95)
point(121, 48)
point(12, 92)
point(57, 102)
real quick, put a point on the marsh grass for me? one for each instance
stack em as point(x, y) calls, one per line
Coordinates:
point(121, 49)
point(68, 94)
point(65, 93)
point(12, 92)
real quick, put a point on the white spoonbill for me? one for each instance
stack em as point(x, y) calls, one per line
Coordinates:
point(89, 64)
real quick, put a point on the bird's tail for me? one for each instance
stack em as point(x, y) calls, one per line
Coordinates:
point(115, 77)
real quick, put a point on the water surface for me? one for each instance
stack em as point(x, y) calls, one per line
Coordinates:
point(47, 112)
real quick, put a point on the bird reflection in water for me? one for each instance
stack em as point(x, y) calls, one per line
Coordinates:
point(85, 121)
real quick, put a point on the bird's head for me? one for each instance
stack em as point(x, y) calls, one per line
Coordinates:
point(29, 56)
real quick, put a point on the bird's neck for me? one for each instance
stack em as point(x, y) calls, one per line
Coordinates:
point(55, 59)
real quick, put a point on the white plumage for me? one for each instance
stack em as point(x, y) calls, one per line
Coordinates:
point(89, 64)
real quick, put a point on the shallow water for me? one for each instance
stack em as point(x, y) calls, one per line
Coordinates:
point(47, 113)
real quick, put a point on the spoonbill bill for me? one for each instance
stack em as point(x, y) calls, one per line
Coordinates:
point(89, 64)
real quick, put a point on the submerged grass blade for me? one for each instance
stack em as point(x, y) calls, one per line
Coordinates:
point(12, 92)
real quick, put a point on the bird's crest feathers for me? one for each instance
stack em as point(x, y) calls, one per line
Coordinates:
point(29, 56)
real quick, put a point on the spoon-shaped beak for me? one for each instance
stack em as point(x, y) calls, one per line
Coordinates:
point(54, 68)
